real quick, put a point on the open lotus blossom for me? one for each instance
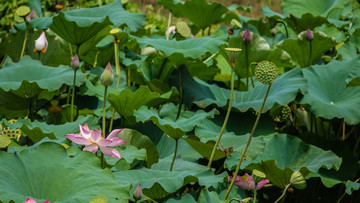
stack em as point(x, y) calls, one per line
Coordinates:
point(246, 182)
point(29, 200)
point(41, 43)
point(93, 140)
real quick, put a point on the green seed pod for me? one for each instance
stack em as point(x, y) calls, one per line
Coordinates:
point(298, 180)
point(266, 72)
point(22, 11)
point(235, 24)
point(4, 141)
point(258, 175)
point(285, 112)
point(232, 53)
point(183, 29)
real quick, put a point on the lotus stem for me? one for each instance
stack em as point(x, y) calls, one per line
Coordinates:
point(103, 114)
point(310, 52)
point(168, 24)
point(117, 65)
point(286, 30)
point(283, 193)
point(248, 143)
point(226, 119)
point(175, 152)
point(128, 77)
point(69, 88)
point(181, 92)
point(73, 97)
point(95, 60)
point(24, 44)
point(246, 65)
point(102, 160)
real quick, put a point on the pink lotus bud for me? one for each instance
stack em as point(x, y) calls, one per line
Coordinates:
point(107, 77)
point(309, 35)
point(32, 15)
point(247, 36)
point(41, 43)
point(75, 63)
point(138, 193)
point(29, 200)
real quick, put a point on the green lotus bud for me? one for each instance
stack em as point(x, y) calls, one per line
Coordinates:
point(266, 72)
point(232, 53)
point(258, 175)
point(183, 29)
point(297, 180)
point(107, 77)
point(285, 112)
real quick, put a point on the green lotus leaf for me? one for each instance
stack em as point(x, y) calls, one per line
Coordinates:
point(210, 13)
point(167, 122)
point(37, 76)
point(284, 90)
point(158, 184)
point(328, 97)
point(347, 51)
point(278, 166)
point(351, 186)
point(317, 8)
point(192, 48)
point(129, 155)
point(46, 172)
point(185, 198)
point(37, 131)
point(331, 31)
point(299, 49)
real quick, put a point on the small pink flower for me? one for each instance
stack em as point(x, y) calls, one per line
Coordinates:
point(93, 140)
point(29, 200)
point(41, 43)
point(246, 182)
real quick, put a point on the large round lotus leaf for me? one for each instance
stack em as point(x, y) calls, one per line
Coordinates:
point(48, 173)
point(158, 184)
point(328, 96)
point(299, 49)
point(284, 154)
point(192, 48)
point(317, 8)
point(210, 13)
point(283, 90)
point(166, 120)
point(29, 77)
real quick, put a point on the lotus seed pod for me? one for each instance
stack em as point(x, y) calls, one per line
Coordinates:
point(232, 53)
point(266, 72)
point(247, 36)
point(298, 180)
point(11, 133)
point(285, 112)
point(183, 29)
point(235, 24)
point(309, 35)
point(258, 175)
point(4, 141)
point(114, 31)
point(107, 77)
point(22, 11)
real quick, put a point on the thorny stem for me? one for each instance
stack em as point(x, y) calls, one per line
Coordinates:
point(103, 114)
point(173, 160)
point(73, 98)
point(226, 119)
point(117, 65)
point(24, 44)
point(247, 144)
point(283, 193)
point(181, 92)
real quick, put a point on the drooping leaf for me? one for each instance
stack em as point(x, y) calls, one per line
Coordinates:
point(167, 122)
point(328, 96)
point(299, 49)
point(351, 186)
point(48, 173)
point(283, 90)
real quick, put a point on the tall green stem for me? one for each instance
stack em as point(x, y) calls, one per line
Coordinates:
point(283, 193)
point(69, 88)
point(168, 24)
point(117, 65)
point(173, 160)
point(103, 114)
point(226, 118)
point(181, 91)
point(73, 98)
point(286, 30)
point(247, 144)
point(24, 44)
point(310, 52)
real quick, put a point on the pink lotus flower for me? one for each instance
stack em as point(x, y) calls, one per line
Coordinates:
point(29, 200)
point(41, 43)
point(32, 15)
point(93, 140)
point(246, 182)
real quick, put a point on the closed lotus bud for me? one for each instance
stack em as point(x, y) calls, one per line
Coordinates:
point(41, 43)
point(75, 63)
point(247, 36)
point(107, 77)
point(266, 72)
point(285, 112)
point(309, 35)
point(32, 15)
point(138, 193)
point(297, 180)
point(232, 53)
